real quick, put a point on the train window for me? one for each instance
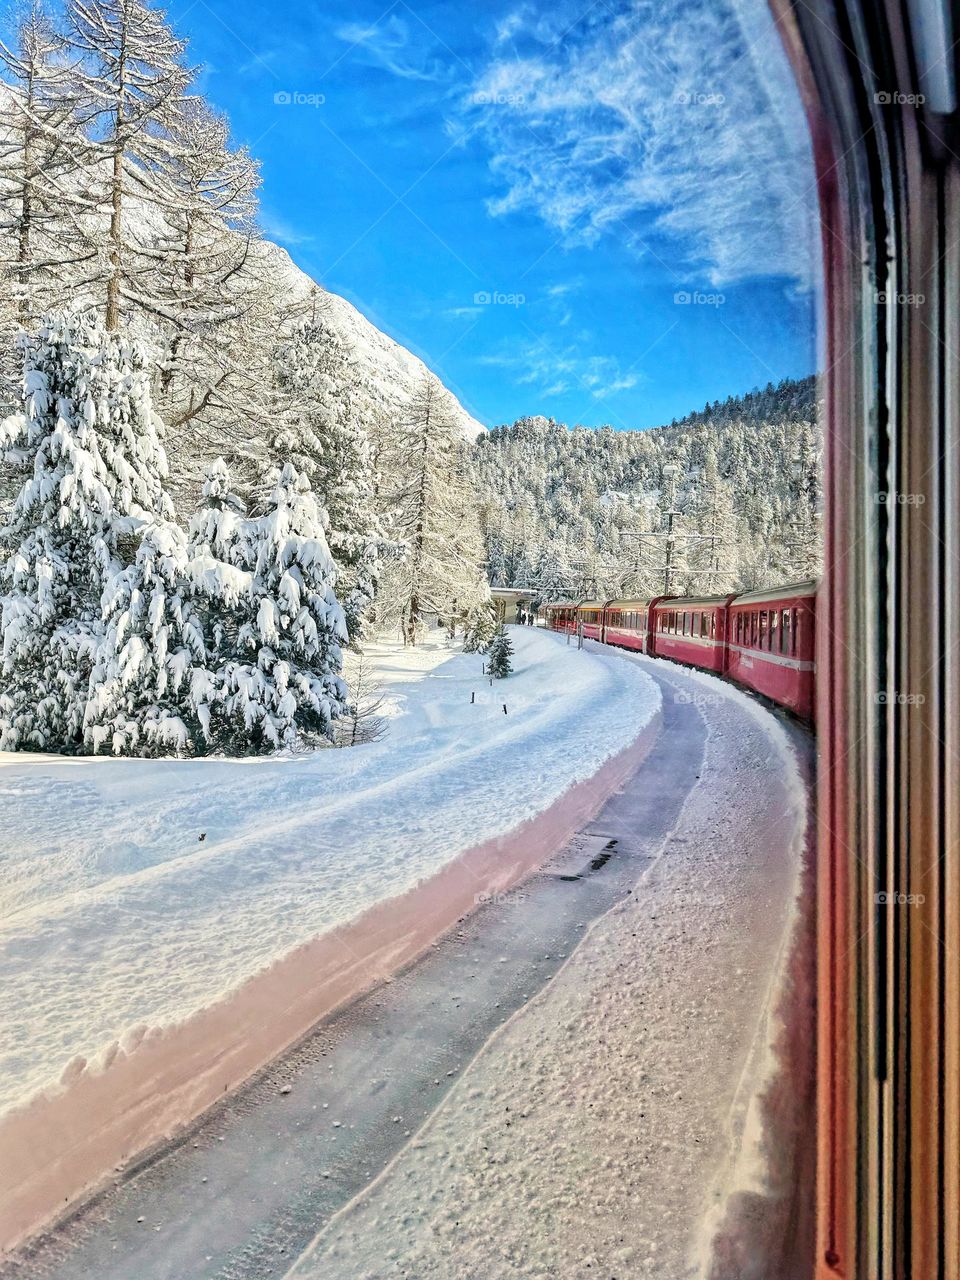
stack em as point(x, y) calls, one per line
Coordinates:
point(785, 631)
point(774, 628)
point(713, 626)
point(754, 623)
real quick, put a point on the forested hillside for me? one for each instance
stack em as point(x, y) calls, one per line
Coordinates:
point(726, 498)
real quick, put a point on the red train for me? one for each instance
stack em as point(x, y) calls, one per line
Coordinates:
point(763, 640)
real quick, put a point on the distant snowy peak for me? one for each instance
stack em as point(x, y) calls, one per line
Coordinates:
point(391, 369)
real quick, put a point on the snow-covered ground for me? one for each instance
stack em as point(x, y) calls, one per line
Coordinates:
point(603, 1129)
point(135, 893)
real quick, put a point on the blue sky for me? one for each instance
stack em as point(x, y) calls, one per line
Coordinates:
point(580, 164)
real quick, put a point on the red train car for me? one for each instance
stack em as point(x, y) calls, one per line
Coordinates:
point(763, 640)
point(628, 623)
point(560, 615)
point(770, 645)
point(591, 619)
point(692, 630)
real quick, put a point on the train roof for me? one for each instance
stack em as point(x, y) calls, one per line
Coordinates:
point(695, 602)
point(559, 604)
point(592, 604)
point(789, 591)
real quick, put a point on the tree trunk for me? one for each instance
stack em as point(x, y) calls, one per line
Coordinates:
point(113, 281)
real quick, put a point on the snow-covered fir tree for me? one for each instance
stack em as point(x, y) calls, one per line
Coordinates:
point(321, 432)
point(150, 690)
point(500, 654)
point(278, 662)
point(87, 442)
point(481, 627)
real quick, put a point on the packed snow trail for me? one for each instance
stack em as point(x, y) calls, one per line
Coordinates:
point(593, 1134)
point(118, 916)
point(250, 1186)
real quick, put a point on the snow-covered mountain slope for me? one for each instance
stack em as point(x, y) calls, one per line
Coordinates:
point(391, 370)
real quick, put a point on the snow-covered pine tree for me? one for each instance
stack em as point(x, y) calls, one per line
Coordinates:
point(363, 720)
point(41, 151)
point(435, 514)
point(553, 576)
point(282, 679)
point(87, 441)
point(708, 513)
point(132, 83)
point(499, 655)
point(320, 431)
point(150, 691)
point(222, 592)
point(206, 282)
point(480, 629)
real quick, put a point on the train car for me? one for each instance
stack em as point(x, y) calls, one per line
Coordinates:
point(692, 630)
point(628, 623)
point(560, 615)
point(771, 641)
point(590, 618)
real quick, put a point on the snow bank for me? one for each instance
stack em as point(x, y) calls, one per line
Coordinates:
point(126, 937)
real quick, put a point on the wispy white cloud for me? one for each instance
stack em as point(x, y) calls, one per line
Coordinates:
point(280, 230)
point(558, 371)
point(672, 124)
point(407, 50)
